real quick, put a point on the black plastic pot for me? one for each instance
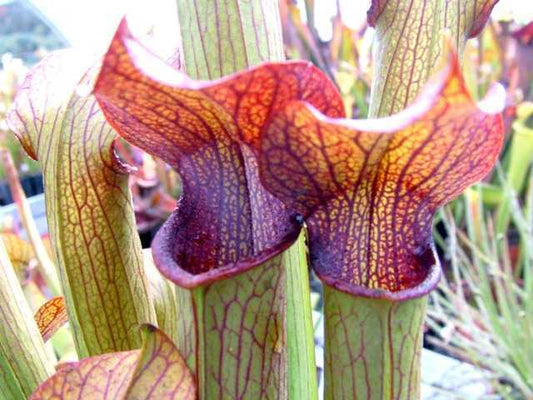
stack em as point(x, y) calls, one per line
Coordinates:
point(32, 185)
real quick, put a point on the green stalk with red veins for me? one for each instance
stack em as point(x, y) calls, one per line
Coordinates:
point(368, 191)
point(409, 46)
point(24, 363)
point(88, 204)
point(90, 216)
point(224, 245)
point(209, 52)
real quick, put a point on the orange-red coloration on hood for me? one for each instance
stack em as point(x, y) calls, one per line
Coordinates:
point(368, 189)
point(225, 222)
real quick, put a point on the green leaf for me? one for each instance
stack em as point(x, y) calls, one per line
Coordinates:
point(11, 389)
point(409, 45)
point(223, 37)
point(88, 204)
point(241, 337)
point(210, 52)
point(21, 346)
point(373, 347)
point(301, 368)
point(156, 371)
point(163, 295)
point(520, 158)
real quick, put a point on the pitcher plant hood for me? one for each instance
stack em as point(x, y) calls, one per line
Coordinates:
point(369, 188)
point(209, 132)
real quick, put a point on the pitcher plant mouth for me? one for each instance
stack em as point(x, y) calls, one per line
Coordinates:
point(166, 253)
point(368, 189)
point(209, 132)
point(432, 276)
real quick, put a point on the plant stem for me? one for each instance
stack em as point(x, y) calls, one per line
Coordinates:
point(373, 346)
point(21, 346)
point(300, 343)
point(520, 157)
point(409, 44)
point(223, 37)
point(239, 335)
point(89, 210)
point(253, 36)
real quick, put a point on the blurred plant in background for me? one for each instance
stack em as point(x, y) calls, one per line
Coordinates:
point(26, 33)
point(483, 311)
point(11, 75)
point(345, 58)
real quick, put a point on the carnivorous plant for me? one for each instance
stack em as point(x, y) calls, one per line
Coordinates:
point(264, 153)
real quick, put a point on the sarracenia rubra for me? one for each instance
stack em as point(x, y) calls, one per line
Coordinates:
point(368, 191)
point(225, 239)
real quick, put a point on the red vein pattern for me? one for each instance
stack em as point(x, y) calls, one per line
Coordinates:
point(410, 45)
point(477, 12)
point(94, 377)
point(88, 204)
point(225, 222)
point(369, 188)
point(221, 37)
point(51, 316)
point(157, 371)
point(161, 372)
point(374, 347)
point(241, 335)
